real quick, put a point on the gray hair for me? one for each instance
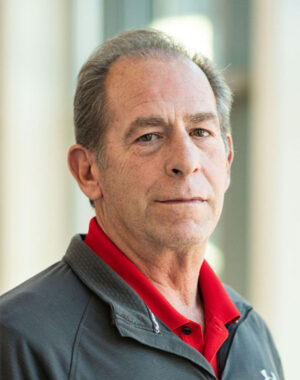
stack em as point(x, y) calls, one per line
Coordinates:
point(91, 112)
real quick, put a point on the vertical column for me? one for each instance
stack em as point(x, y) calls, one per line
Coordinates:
point(275, 153)
point(87, 34)
point(35, 132)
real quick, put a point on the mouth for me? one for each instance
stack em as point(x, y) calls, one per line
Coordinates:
point(193, 200)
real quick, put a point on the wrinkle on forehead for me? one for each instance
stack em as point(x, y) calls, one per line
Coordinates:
point(126, 68)
point(130, 77)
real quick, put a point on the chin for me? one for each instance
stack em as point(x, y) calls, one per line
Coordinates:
point(183, 235)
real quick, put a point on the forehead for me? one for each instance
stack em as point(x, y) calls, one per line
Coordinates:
point(142, 84)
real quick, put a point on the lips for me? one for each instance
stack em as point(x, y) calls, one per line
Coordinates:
point(182, 200)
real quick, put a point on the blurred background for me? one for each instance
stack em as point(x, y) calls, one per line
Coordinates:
point(43, 44)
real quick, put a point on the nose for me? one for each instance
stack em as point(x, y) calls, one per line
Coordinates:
point(183, 157)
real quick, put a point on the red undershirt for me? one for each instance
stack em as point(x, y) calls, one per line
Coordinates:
point(218, 307)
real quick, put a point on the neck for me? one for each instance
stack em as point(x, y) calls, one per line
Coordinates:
point(177, 281)
point(173, 271)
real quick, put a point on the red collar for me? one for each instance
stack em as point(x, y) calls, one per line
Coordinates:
point(218, 307)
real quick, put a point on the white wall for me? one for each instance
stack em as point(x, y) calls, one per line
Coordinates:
point(275, 173)
point(42, 47)
point(35, 131)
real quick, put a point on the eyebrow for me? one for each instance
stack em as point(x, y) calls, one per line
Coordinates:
point(145, 122)
point(158, 121)
point(199, 117)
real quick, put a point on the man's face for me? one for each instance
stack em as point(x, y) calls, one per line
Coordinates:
point(167, 168)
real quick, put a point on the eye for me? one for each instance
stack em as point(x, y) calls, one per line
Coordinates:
point(148, 137)
point(199, 132)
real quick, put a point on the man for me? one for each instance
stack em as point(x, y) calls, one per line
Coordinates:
point(135, 298)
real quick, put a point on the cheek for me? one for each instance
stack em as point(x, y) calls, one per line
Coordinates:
point(123, 180)
point(215, 170)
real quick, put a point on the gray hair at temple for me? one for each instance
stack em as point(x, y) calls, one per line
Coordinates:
point(91, 113)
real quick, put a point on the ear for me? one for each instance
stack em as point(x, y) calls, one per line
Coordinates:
point(229, 159)
point(85, 170)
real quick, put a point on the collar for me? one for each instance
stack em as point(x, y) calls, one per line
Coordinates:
point(217, 303)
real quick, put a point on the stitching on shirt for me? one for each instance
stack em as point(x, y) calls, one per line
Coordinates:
point(137, 325)
point(131, 321)
point(73, 363)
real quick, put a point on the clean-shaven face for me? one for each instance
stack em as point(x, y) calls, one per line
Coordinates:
point(167, 167)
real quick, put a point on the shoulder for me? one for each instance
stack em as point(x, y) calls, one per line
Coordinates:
point(39, 321)
point(251, 338)
point(49, 302)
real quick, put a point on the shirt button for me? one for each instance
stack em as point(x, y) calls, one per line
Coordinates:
point(186, 330)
